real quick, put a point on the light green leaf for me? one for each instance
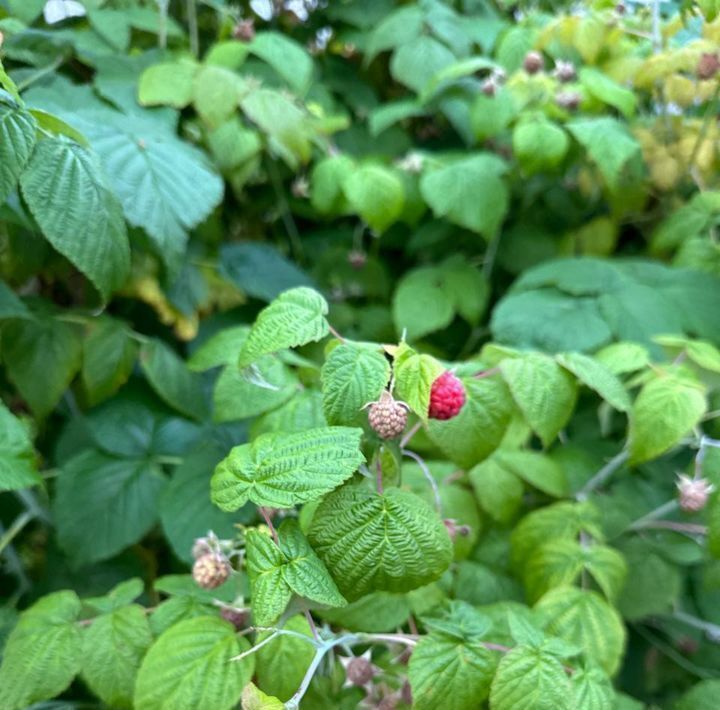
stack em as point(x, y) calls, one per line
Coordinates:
point(91, 235)
point(288, 58)
point(491, 115)
point(602, 87)
point(388, 114)
point(254, 699)
point(543, 391)
point(608, 143)
point(353, 375)
point(448, 673)
point(414, 376)
point(113, 647)
point(43, 652)
point(281, 664)
point(539, 471)
point(216, 94)
point(479, 428)
point(278, 571)
point(397, 28)
point(583, 618)
point(222, 348)
point(498, 491)
point(392, 542)
point(118, 597)
point(167, 84)
point(666, 409)
point(286, 125)
point(109, 354)
point(539, 145)
point(592, 690)
point(469, 192)
point(42, 357)
point(17, 139)
point(467, 287)
point(50, 122)
point(597, 377)
point(376, 193)
point(172, 381)
point(421, 303)
point(702, 696)
point(294, 318)
point(326, 184)
point(17, 457)
point(103, 504)
point(621, 358)
point(303, 411)
point(374, 613)
point(190, 667)
point(233, 145)
point(415, 62)
point(281, 470)
point(532, 678)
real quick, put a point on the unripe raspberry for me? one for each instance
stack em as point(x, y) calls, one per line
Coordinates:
point(211, 570)
point(237, 617)
point(489, 87)
point(569, 100)
point(564, 71)
point(201, 547)
point(359, 671)
point(244, 30)
point(533, 62)
point(447, 396)
point(708, 65)
point(693, 493)
point(387, 416)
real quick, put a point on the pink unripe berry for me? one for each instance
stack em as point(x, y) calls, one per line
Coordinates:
point(387, 416)
point(693, 493)
point(447, 396)
point(211, 570)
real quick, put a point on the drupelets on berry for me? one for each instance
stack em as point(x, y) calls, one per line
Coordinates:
point(388, 416)
point(447, 396)
point(211, 570)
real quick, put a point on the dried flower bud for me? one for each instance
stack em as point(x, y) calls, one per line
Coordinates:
point(237, 617)
point(244, 30)
point(201, 547)
point(359, 671)
point(569, 100)
point(412, 163)
point(300, 187)
point(357, 259)
point(489, 87)
point(454, 529)
point(708, 65)
point(533, 62)
point(693, 493)
point(564, 71)
point(211, 570)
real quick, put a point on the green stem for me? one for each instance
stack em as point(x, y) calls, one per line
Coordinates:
point(40, 73)
point(712, 631)
point(286, 215)
point(428, 475)
point(602, 475)
point(193, 27)
point(18, 524)
point(659, 512)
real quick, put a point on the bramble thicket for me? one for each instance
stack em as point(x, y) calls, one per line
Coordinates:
point(359, 354)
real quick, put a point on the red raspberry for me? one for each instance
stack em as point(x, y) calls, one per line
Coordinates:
point(447, 396)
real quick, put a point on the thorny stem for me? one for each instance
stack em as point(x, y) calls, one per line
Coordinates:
point(602, 475)
point(409, 435)
point(430, 478)
point(269, 523)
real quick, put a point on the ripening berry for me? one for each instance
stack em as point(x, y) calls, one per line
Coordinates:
point(693, 493)
point(708, 65)
point(533, 62)
point(201, 547)
point(447, 396)
point(244, 30)
point(237, 617)
point(359, 671)
point(211, 570)
point(387, 416)
point(569, 100)
point(564, 71)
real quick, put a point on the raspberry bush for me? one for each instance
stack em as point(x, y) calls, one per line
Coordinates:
point(359, 354)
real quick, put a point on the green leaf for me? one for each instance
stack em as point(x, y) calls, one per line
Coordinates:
point(621, 358)
point(103, 504)
point(469, 192)
point(543, 391)
point(608, 143)
point(113, 647)
point(326, 184)
point(491, 115)
point(92, 234)
point(109, 354)
point(448, 673)
point(288, 58)
point(666, 409)
point(533, 678)
point(602, 87)
point(592, 690)
point(539, 471)
point(414, 376)
point(50, 122)
point(42, 357)
point(583, 618)
point(233, 145)
point(702, 696)
point(167, 84)
point(294, 318)
point(216, 94)
point(392, 542)
point(169, 376)
point(303, 411)
point(186, 511)
point(255, 699)
point(376, 193)
point(118, 597)
point(43, 652)
point(286, 125)
point(597, 377)
point(498, 491)
point(10, 305)
point(282, 663)
point(190, 667)
point(281, 470)
point(479, 428)
point(17, 139)
point(278, 571)
point(397, 28)
point(353, 375)
point(17, 457)
point(539, 145)
point(415, 62)
point(374, 613)
point(222, 348)
point(421, 304)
